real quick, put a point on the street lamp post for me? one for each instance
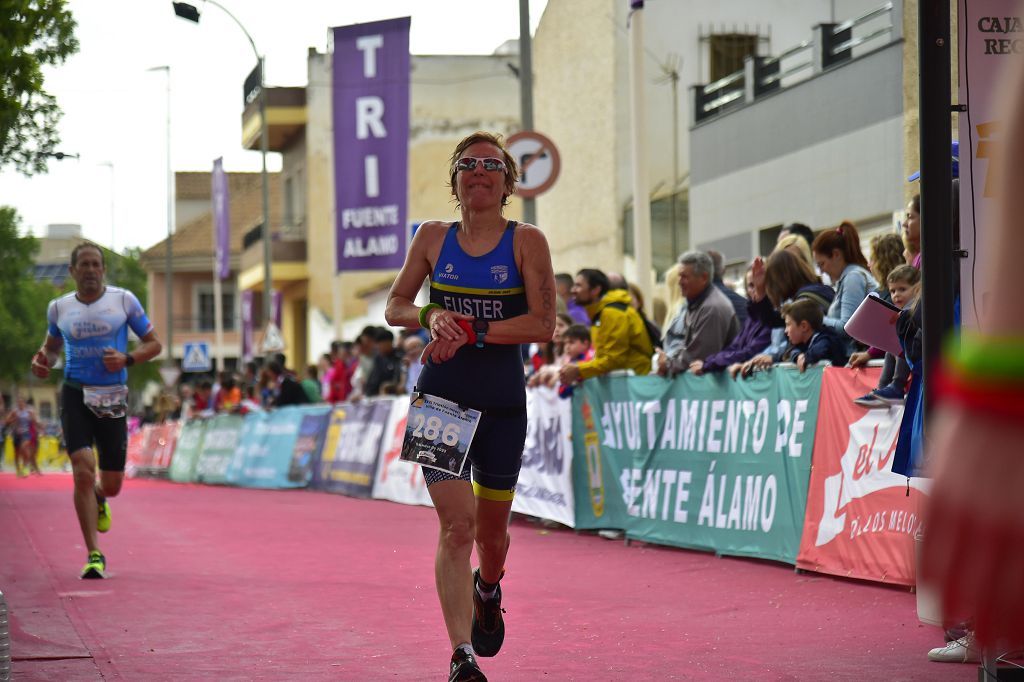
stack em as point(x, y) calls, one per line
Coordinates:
point(110, 165)
point(169, 263)
point(191, 12)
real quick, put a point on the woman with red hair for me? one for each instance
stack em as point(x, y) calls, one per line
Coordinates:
point(837, 253)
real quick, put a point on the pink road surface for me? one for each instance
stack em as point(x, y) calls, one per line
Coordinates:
point(224, 584)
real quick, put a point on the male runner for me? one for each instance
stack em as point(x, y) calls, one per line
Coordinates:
point(92, 324)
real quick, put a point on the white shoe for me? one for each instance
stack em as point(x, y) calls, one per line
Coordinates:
point(610, 534)
point(958, 651)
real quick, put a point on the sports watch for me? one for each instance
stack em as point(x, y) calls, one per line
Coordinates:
point(480, 328)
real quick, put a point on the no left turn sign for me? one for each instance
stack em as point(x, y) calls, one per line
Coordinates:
point(538, 161)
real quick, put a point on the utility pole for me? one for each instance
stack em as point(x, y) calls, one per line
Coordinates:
point(526, 92)
point(638, 109)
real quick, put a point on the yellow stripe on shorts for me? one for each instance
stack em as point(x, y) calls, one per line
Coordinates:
point(492, 494)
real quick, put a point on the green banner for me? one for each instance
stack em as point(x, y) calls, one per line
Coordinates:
point(186, 451)
point(220, 442)
point(704, 462)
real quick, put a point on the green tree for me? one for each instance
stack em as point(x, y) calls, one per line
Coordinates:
point(23, 313)
point(35, 33)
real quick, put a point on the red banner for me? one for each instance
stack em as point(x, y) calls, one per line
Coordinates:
point(150, 448)
point(861, 518)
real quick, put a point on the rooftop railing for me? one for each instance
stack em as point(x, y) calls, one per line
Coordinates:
point(831, 46)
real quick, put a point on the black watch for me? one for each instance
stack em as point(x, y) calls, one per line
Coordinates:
point(129, 360)
point(480, 328)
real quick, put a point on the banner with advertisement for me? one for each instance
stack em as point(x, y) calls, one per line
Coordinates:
point(264, 453)
point(370, 89)
point(544, 489)
point(396, 479)
point(150, 449)
point(308, 444)
point(988, 42)
point(220, 441)
point(221, 219)
point(248, 344)
point(703, 462)
point(861, 517)
point(348, 460)
point(186, 451)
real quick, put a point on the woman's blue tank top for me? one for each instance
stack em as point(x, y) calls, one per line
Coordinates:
point(488, 287)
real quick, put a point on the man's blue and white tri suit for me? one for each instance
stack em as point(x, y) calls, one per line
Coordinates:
point(490, 379)
point(87, 329)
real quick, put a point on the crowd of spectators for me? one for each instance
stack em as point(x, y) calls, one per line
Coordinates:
point(794, 308)
point(796, 305)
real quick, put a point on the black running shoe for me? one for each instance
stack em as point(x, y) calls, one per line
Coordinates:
point(464, 668)
point(488, 625)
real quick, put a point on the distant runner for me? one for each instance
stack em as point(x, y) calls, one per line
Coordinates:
point(92, 324)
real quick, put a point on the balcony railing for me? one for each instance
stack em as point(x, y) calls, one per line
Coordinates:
point(832, 45)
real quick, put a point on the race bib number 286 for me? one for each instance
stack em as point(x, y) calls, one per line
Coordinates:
point(438, 433)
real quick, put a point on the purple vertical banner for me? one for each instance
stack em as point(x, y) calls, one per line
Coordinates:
point(221, 219)
point(275, 307)
point(247, 326)
point(371, 144)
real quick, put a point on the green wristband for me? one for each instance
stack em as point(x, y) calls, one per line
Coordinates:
point(424, 311)
point(998, 358)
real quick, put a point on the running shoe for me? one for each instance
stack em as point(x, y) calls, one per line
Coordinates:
point(464, 668)
point(103, 517)
point(890, 395)
point(958, 651)
point(96, 568)
point(488, 625)
point(869, 400)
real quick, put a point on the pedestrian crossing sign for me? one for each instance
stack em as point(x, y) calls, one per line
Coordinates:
point(197, 357)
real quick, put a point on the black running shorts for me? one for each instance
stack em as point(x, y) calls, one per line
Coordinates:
point(83, 429)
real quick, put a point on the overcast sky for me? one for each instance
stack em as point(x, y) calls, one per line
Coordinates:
point(115, 108)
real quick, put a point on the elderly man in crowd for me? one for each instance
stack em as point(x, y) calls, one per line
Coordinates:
point(705, 326)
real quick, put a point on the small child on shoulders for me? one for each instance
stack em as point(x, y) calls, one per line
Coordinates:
point(578, 348)
point(810, 341)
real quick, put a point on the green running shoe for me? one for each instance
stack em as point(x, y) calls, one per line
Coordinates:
point(96, 568)
point(103, 519)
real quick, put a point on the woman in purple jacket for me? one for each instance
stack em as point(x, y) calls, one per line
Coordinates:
point(756, 331)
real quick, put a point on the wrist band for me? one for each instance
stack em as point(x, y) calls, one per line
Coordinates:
point(468, 328)
point(995, 398)
point(994, 358)
point(129, 359)
point(424, 311)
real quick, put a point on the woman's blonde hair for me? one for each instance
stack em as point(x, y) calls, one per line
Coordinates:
point(511, 168)
point(800, 243)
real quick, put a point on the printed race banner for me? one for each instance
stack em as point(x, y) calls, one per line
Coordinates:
point(264, 453)
point(348, 461)
point(988, 33)
point(396, 479)
point(705, 462)
point(861, 517)
point(223, 434)
point(544, 489)
point(371, 143)
point(186, 451)
point(308, 443)
point(221, 219)
point(150, 449)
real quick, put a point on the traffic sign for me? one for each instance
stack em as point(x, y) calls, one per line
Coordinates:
point(197, 357)
point(273, 342)
point(170, 375)
point(539, 162)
